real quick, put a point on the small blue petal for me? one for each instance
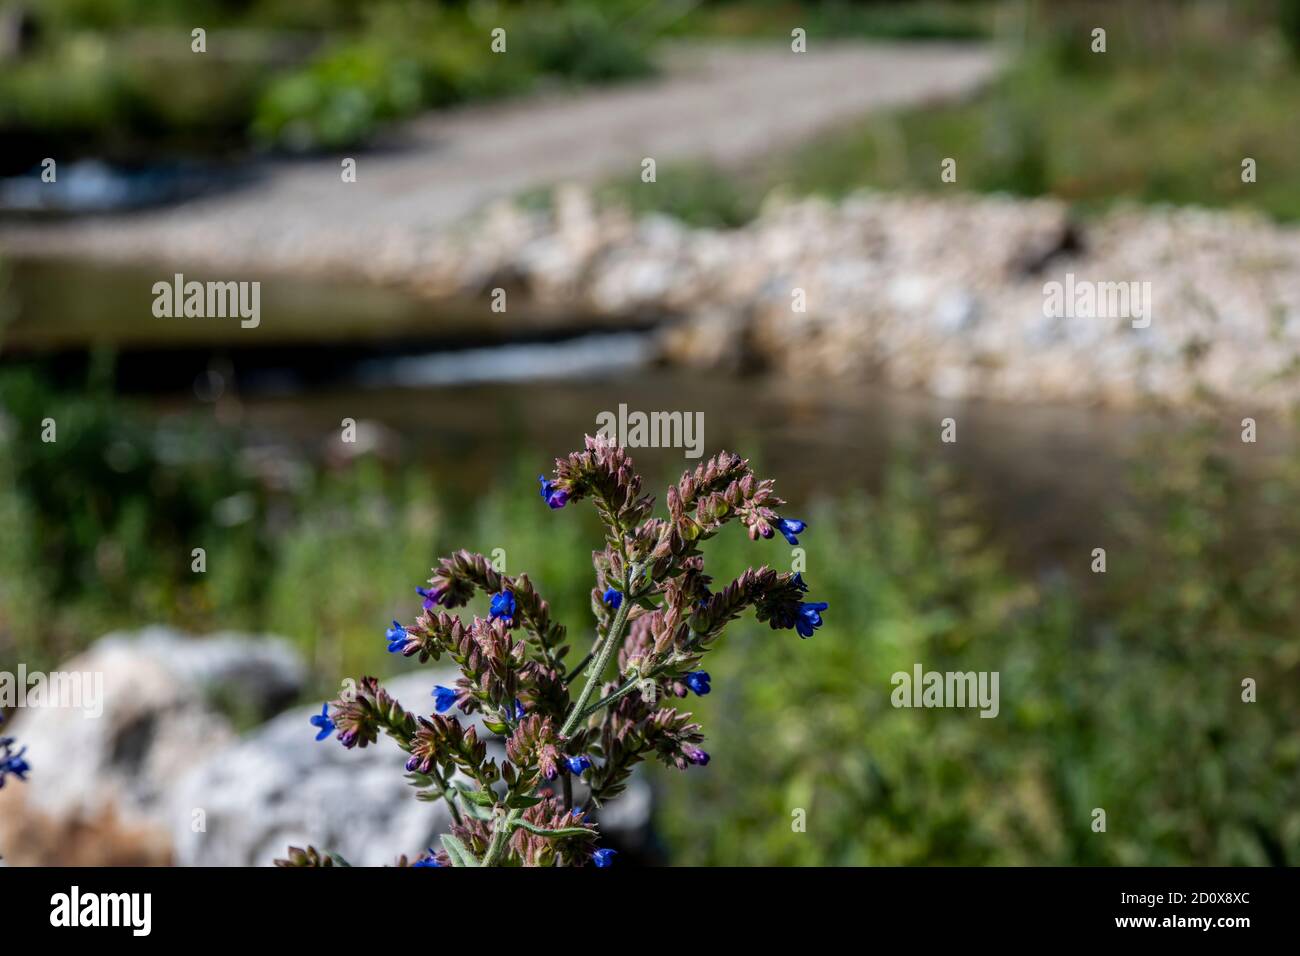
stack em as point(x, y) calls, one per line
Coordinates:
point(698, 681)
point(503, 607)
point(396, 638)
point(444, 698)
point(578, 765)
point(322, 720)
point(790, 527)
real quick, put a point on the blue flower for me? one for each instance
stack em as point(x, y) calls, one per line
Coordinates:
point(791, 527)
point(322, 720)
point(396, 638)
point(698, 757)
point(698, 681)
point(613, 598)
point(11, 762)
point(554, 497)
point(809, 617)
point(432, 596)
point(503, 606)
point(603, 858)
point(444, 698)
point(430, 860)
point(519, 710)
point(578, 765)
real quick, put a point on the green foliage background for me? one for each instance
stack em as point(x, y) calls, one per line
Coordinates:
point(1119, 691)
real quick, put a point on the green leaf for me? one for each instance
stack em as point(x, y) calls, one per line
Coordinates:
point(521, 801)
point(338, 860)
point(482, 798)
point(562, 832)
point(459, 853)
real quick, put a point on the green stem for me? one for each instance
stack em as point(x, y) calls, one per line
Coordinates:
point(446, 795)
point(612, 640)
point(501, 832)
point(613, 696)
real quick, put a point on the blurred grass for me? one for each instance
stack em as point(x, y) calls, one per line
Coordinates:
point(844, 19)
point(1182, 95)
point(1123, 694)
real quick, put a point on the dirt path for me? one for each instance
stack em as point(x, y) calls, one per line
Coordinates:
point(724, 104)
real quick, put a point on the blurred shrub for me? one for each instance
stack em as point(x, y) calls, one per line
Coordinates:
point(410, 59)
point(698, 194)
point(1130, 703)
point(102, 521)
point(118, 78)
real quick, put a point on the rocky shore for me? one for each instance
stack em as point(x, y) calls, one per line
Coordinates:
point(948, 295)
point(161, 775)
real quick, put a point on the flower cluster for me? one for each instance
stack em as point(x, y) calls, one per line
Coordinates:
point(12, 762)
point(573, 732)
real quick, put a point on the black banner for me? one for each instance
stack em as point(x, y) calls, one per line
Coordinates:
point(172, 905)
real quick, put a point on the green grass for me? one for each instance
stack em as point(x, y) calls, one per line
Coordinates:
point(1146, 122)
point(840, 20)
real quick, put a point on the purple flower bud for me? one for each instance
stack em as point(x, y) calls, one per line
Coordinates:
point(554, 497)
point(698, 757)
point(432, 597)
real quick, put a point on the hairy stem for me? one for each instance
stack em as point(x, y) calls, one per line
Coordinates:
point(499, 835)
point(612, 640)
point(446, 795)
point(615, 695)
point(501, 832)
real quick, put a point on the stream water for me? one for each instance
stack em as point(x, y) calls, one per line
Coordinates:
point(460, 386)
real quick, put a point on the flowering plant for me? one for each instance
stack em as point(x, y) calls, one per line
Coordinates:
point(656, 617)
point(12, 762)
